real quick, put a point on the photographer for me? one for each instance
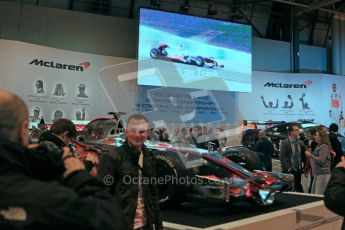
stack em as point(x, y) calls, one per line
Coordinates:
point(61, 133)
point(30, 198)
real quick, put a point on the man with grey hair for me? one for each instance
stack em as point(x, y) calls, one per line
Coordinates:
point(31, 196)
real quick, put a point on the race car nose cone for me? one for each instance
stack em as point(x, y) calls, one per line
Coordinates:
point(266, 196)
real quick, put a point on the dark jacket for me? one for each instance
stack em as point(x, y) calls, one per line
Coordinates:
point(336, 146)
point(285, 155)
point(334, 194)
point(49, 137)
point(79, 201)
point(266, 147)
point(122, 165)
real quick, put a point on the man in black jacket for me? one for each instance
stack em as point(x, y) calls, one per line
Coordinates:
point(335, 143)
point(334, 194)
point(30, 199)
point(266, 147)
point(125, 168)
point(61, 133)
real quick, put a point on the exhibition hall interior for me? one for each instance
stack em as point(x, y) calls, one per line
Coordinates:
point(172, 114)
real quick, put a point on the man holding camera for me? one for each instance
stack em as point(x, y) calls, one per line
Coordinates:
point(31, 197)
point(292, 156)
point(61, 133)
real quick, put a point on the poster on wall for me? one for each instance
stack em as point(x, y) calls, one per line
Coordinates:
point(334, 101)
point(292, 97)
point(54, 83)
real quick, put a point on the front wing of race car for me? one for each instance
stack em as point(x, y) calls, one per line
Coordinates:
point(239, 188)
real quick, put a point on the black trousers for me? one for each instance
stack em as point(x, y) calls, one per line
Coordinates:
point(311, 182)
point(297, 181)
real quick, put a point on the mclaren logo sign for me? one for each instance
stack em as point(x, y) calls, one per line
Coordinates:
point(55, 65)
point(281, 85)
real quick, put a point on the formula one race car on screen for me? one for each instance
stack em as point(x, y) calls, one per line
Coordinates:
point(193, 172)
point(276, 134)
point(161, 53)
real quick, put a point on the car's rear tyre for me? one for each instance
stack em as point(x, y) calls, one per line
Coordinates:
point(155, 52)
point(249, 141)
point(171, 172)
point(246, 158)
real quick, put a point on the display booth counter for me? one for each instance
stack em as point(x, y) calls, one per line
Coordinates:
point(290, 211)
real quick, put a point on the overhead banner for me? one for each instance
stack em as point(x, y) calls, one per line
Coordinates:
point(55, 83)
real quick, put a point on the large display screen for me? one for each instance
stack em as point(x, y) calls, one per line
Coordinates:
point(177, 50)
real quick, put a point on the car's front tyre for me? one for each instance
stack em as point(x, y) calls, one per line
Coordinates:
point(171, 178)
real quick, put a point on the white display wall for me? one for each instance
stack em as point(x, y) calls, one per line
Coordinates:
point(62, 73)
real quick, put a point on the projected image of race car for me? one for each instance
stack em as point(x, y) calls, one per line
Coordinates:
point(200, 173)
point(190, 52)
point(161, 53)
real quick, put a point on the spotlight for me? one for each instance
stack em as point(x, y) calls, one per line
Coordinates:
point(185, 7)
point(155, 3)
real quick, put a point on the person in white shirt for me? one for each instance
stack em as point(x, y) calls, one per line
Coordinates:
point(336, 107)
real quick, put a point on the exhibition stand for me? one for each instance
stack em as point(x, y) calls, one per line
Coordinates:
point(290, 211)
